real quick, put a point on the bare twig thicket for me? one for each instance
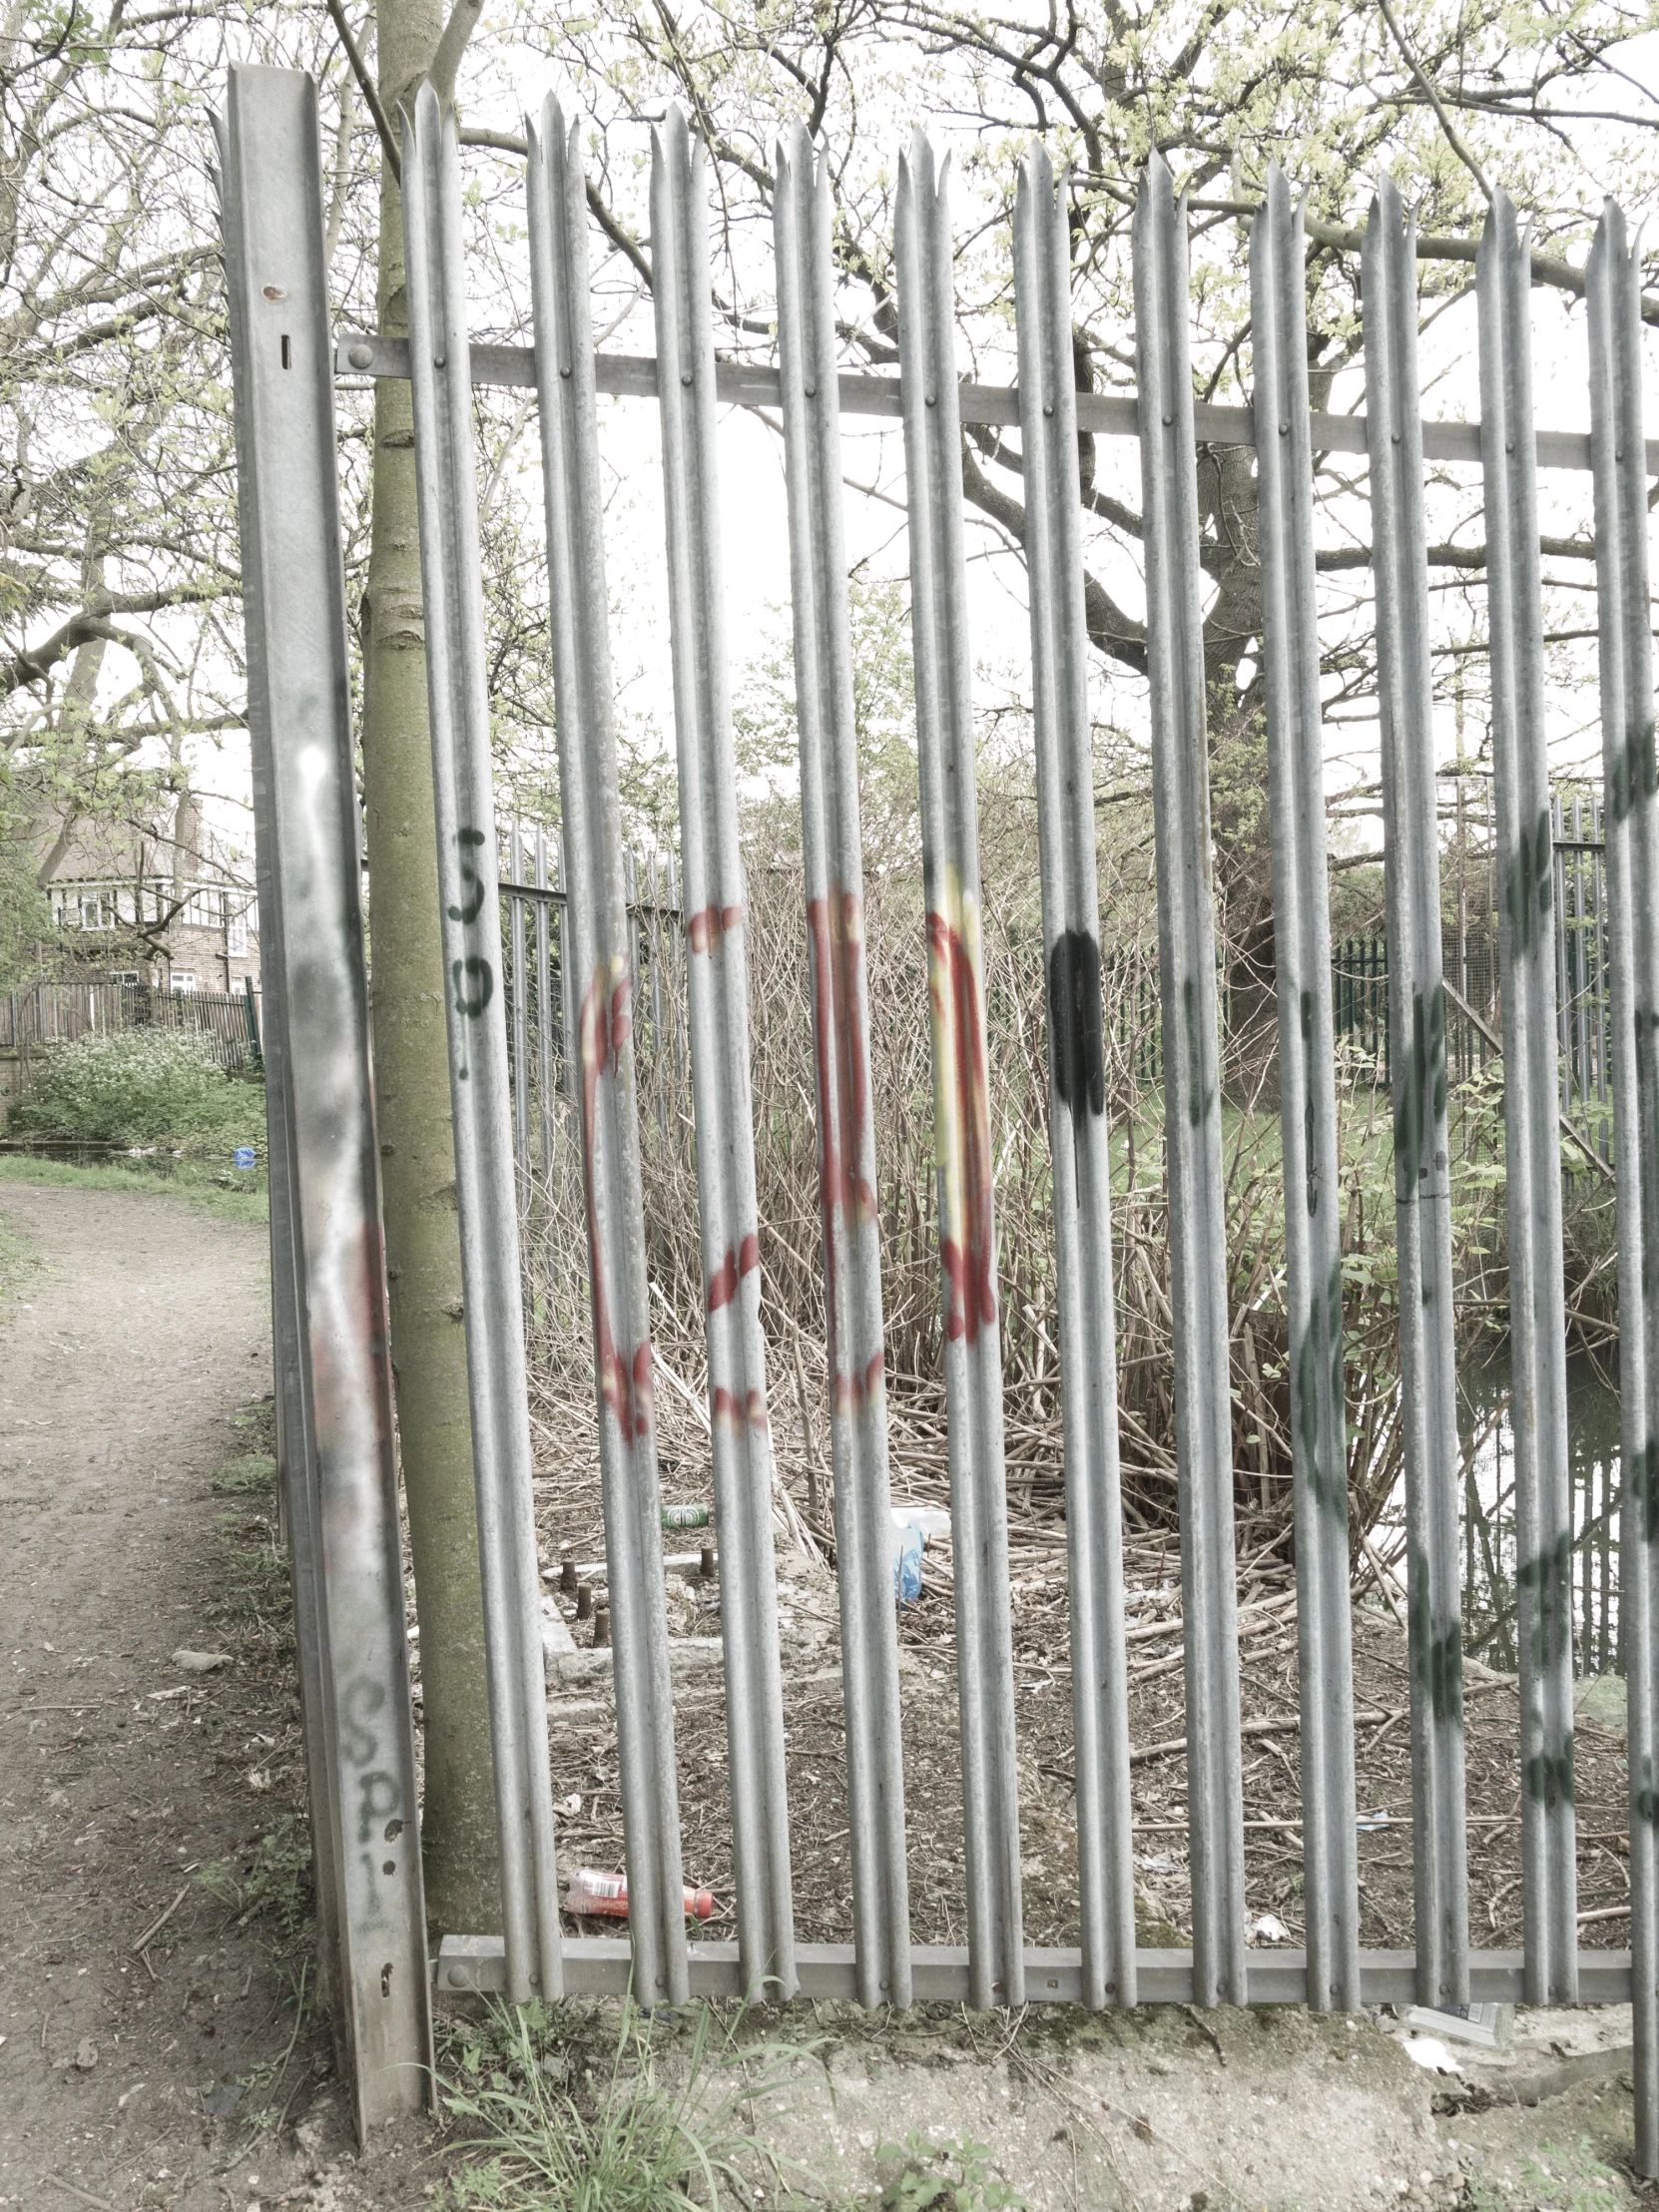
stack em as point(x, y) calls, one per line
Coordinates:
point(786, 1170)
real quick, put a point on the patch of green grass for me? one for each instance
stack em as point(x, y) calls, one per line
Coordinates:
point(253, 1471)
point(18, 1260)
point(216, 1190)
point(276, 1884)
point(1562, 2178)
point(942, 2177)
point(677, 2122)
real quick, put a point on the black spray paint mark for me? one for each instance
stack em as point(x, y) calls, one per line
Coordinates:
point(1530, 886)
point(1076, 1024)
point(1309, 1125)
point(1635, 773)
point(1198, 1100)
point(1420, 1097)
point(474, 905)
point(474, 984)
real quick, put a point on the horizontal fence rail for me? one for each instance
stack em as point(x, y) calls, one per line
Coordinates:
point(634, 376)
point(597, 945)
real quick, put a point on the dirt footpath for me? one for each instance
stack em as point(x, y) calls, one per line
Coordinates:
point(159, 2048)
point(135, 1523)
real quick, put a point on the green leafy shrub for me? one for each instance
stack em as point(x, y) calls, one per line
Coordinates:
point(943, 2177)
point(140, 1086)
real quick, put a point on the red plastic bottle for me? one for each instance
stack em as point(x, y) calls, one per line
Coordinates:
point(605, 1896)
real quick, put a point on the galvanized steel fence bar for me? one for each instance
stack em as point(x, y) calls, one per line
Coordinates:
point(1307, 1097)
point(1532, 1145)
point(973, 1345)
point(1192, 1089)
point(544, 1010)
point(328, 1268)
point(833, 867)
point(596, 937)
point(1422, 1187)
point(1630, 783)
point(479, 1086)
point(718, 989)
point(1081, 1145)
point(519, 1000)
point(600, 983)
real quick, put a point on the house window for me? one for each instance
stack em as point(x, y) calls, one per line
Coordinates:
point(182, 979)
point(235, 930)
point(87, 907)
point(128, 977)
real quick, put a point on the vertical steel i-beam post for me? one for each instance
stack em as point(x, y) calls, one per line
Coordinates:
point(331, 1277)
point(718, 989)
point(832, 855)
point(1079, 1141)
point(596, 977)
point(1417, 1068)
point(1532, 1140)
point(479, 1087)
point(972, 1333)
point(1192, 1089)
point(1630, 825)
point(297, 1482)
point(1307, 1098)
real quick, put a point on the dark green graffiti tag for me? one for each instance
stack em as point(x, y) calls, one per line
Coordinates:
point(1528, 887)
point(1198, 1100)
point(475, 905)
point(474, 984)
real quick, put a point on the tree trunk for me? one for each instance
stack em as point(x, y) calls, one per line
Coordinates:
point(411, 1081)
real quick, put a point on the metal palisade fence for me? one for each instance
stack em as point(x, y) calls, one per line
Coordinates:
point(597, 949)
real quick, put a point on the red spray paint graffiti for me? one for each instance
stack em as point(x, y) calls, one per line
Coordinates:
point(708, 927)
point(624, 1381)
point(723, 1283)
point(842, 1051)
point(967, 1238)
point(735, 1415)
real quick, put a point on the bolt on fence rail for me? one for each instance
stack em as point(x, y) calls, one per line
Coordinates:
point(599, 953)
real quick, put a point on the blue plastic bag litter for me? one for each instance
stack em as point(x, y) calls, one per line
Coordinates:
point(906, 1565)
point(244, 1156)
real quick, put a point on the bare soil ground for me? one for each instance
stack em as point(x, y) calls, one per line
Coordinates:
point(134, 1354)
point(180, 2065)
point(584, 1727)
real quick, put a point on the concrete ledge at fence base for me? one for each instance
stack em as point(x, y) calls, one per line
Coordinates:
point(571, 1668)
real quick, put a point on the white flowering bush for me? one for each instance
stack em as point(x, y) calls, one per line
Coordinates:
point(139, 1086)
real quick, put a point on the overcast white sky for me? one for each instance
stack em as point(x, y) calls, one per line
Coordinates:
point(755, 545)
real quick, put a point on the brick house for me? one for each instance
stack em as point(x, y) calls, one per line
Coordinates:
point(172, 910)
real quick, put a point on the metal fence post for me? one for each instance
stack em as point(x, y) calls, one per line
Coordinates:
point(1192, 1089)
point(1416, 1025)
point(544, 1022)
point(1308, 1098)
point(595, 947)
point(521, 1021)
point(972, 1346)
point(717, 986)
point(1632, 828)
point(1080, 1144)
point(1533, 1142)
point(479, 1081)
point(328, 1270)
point(833, 857)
